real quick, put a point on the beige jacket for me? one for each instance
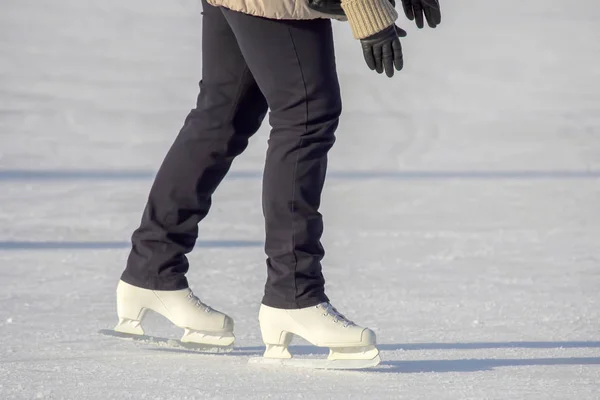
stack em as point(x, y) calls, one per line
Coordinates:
point(366, 17)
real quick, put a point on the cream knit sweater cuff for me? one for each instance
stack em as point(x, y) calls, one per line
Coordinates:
point(367, 17)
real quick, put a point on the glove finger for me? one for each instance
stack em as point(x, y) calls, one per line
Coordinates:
point(400, 32)
point(378, 56)
point(369, 59)
point(431, 3)
point(407, 5)
point(398, 57)
point(388, 59)
point(437, 16)
point(429, 17)
point(419, 15)
point(436, 13)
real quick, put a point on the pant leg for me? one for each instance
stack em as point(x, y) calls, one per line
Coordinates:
point(293, 63)
point(230, 108)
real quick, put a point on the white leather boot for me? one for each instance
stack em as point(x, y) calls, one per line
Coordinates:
point(322, 326)
point(201, 323)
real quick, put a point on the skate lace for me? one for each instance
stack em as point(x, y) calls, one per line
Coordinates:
point(329, 310)
point(198, 303)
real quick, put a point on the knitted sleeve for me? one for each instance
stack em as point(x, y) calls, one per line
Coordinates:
point(367, 17)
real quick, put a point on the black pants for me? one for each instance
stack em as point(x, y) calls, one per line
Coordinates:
point(249, 65)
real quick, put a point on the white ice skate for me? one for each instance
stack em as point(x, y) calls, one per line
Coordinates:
point(350, 346)
point(204, 327)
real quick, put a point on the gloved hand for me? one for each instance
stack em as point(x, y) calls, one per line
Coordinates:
point(414, 10)
point(383, 50)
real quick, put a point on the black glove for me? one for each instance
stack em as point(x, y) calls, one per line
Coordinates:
point(414, 10)
point(383, 50)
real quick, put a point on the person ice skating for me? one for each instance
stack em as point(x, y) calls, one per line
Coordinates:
point(259, 55)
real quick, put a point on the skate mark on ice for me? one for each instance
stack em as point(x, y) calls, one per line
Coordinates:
point(167, 342)
point(301, 350)
point(67, 245)
point(108, 175)
point(476, 365)
point(236, 351)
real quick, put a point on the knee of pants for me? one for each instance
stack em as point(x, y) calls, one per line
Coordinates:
point(327, 107)
point(220, 107)
point(310, 114)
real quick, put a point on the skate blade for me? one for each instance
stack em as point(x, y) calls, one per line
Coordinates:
point(317, 363)
point(207, 339)
point(353, 353)
point(165, 342)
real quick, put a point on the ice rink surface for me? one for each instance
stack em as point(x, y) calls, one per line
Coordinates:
point(462, 206)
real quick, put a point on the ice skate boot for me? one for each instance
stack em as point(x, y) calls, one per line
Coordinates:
point(350, 346)
point(203, 326)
